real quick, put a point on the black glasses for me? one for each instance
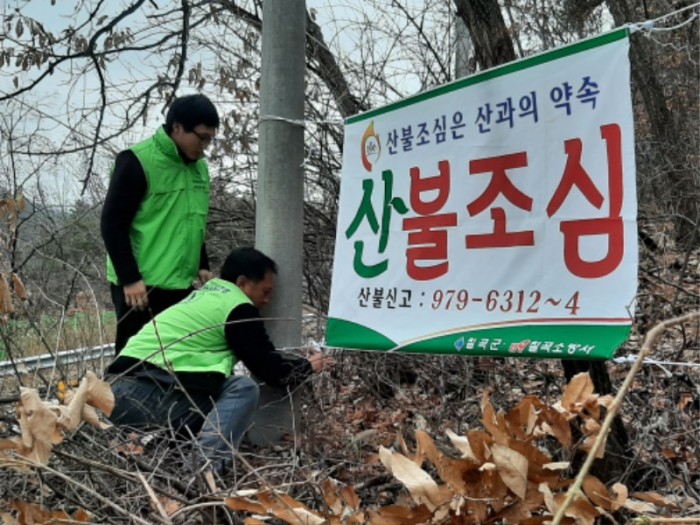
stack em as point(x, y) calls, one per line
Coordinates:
point(204, 140)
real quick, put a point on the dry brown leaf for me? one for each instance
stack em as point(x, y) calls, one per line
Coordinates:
point(241, 504)
point(13, 443)
point(491, 422)
point(6, 306)
point(639, 506)
point(591, 427)
point(42, 424)
point(579, 389)
point(521, 509)
point(477, 510)
point(587, 445)
point(358, 518)
point(668, 453)
point(523, 417)
point(132, 446)
point(656, 499)
point(581, 510)
point(592, 407)
point(169, 505)
point(82, 516)
point(18, 286)
point(92, 394)
point(402, 444)
point(423, 489)
point(90, 416)
point(100, 394)
point(20, 201)
point(557, 425)
point(621, 494)
point(350, 497)
point(75, 401)
point(685, 400)
point(606, 400)
point(330, 492)
point(31, 513)
point(480, 442)
point(461, 443)
point(288, 509)
point(512, 467)
point(454, 472)
point(8, 519)
point(552, 506)
point(536, 472)
point(253, 521)
point(558, 465)
point(38, 425)
point(597, 492)
point(268, 499)
point(298, 516)
point(397, 515)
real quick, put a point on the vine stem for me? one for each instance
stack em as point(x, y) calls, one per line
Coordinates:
point(647, 346)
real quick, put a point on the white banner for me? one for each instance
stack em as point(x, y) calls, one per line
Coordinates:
point(495, 214)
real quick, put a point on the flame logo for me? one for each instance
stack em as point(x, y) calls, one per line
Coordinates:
point(371, 147)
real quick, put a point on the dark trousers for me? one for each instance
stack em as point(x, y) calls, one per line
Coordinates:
point(130, 321)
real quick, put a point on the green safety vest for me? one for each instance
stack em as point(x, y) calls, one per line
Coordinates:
point(167, 232)
point(191, 333)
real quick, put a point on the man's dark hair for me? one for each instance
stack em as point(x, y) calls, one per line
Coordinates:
point(190, 111)
point(248, 262)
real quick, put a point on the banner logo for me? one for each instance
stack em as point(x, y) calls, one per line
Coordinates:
point(371, 147)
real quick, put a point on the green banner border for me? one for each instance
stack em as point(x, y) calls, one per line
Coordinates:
point(506, 69)
point(606, 339)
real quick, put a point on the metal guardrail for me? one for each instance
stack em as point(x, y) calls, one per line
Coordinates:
point(42, 362)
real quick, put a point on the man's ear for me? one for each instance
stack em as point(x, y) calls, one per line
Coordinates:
point(240, 281)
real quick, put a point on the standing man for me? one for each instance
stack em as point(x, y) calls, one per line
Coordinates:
point(155, 215)
point(177, 371)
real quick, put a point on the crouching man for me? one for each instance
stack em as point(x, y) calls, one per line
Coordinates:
point(177, 370)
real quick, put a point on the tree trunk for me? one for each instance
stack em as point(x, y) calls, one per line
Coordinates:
point(493, 45)
point(685, 201)
point(616, 460)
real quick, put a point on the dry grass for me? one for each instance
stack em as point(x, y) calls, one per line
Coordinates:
point(28, 337)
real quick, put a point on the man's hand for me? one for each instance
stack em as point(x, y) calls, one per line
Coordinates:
point(320, 362)
point(205, 276)
point(136, 295)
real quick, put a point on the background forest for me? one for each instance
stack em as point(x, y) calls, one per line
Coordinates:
point(82, 80)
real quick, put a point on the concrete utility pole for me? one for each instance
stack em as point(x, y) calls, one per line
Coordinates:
point(279, 216)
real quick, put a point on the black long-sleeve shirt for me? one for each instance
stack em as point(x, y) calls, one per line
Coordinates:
point(127, 189)
point(248, 340)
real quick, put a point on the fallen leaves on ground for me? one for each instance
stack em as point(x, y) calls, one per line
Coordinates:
point(43, 424)
point(503, 473)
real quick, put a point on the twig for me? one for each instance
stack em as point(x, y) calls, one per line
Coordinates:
point(644, 520)
point(126, 475)
point(197, 506)
point(106, 501)
point(156, 502)
point(649, 341)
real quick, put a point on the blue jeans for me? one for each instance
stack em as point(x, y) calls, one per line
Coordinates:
point(220, 420)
